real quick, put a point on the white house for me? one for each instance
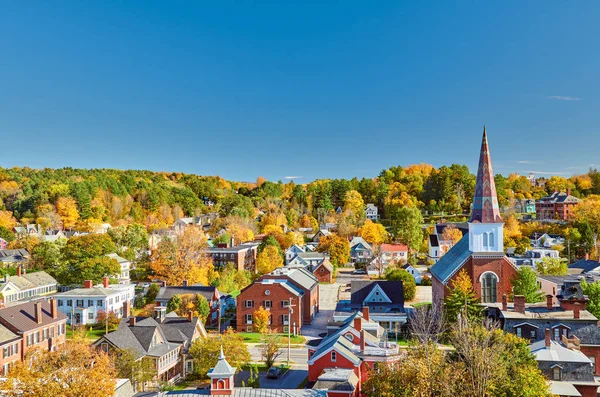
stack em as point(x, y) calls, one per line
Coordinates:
point(85, 303)
point(546, 240)
point(291, 252)
point(413, 272)
point(125, 268)
point(371, 212)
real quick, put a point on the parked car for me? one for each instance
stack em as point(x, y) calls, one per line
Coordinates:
point(359, 271)
point(274, 373)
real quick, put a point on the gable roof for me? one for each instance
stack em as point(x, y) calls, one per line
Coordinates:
point(559, 197)
point(588, 335)
point(452, 261)
point(360, 290)
point(585, 264)
point(166, 293)
point(394, 247)
point(359, 240)
point(22, 317)
point(31, 280)
point(557, 353)
point(326, 264)
point(300, 276)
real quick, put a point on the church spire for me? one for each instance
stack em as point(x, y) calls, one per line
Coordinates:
point(485, 201)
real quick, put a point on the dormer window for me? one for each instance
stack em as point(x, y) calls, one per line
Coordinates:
point(333, 356)
point(556, 373)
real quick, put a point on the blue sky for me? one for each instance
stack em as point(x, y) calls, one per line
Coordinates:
point(317, 90)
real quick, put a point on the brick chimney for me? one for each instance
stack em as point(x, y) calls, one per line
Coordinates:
point(105, 282)
point(37, 307)
point(504, 302)
point(126, 309)
point(53, 309)
point(576, 309)
point(164, 283)
point(185, 283)
point(190, 315)
point(19, 271)
point(88, 284)
point(362, 341)
point(132, 320)
point(357, 323)
point(519, 302)
point(547, 337)
point(549, 304)
point(365, 312)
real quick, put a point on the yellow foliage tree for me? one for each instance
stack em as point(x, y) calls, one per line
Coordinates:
point(260, 320)
point(268, 260)
point(67, 210)
point(354, 205)
point(451, 233)
point(7, 219)
point(184, 258)
point(75, 370)
point(373, 233)
point(511, 228)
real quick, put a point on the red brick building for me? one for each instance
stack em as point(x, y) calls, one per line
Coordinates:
point(556, 206)
point(275, 295)
point(481, 251)
point(36, 324)
point(324, 271)
point(242, 256)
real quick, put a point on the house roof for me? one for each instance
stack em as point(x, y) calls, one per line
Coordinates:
point(360, 289)
point(585, 264)
point(566, 389)
point(559, 197)
point(394, 247)
point(166, 293)
point(242, 392)
point(94, 291)
point(337, 379)
point(338, 343)
point(452, 261)
point(31, 280)
point(119, 259)
point(588, 335)
point(300, 276)
point(326, 264)
point(22, 316)
point(311, 255)
point(21, 251)
point(359, 240)
point(485, 202)
point(6, 335)
point(556, 352)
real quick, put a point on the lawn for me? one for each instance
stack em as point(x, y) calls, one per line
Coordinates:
point(255, 337)
point(92, 335)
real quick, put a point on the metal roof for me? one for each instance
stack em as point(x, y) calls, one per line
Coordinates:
point(452, 261)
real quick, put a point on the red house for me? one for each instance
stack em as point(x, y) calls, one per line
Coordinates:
point(556, 206)
point(481, 251)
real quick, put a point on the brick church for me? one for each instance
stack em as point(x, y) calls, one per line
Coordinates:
point(481, 251)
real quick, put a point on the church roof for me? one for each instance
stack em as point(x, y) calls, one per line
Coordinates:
point(452, 261)
point(485, 201)
point(222, 368)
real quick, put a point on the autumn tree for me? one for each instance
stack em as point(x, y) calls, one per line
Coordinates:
point(102, 318)
point(75, 370)
point(205, 351)
point(260, 319)
point(354, 206)
point(451, 233)
point(373, 233)
point(7, 220)
point(271, 347)
point(66, 207)
point(337, 247)
point(525, 283)
point(183, 258)
point(588, 212)
point(461, 299)
point(173, 303)
point(139, 372)
point(268, 260)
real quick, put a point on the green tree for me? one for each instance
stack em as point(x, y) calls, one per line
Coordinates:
point(552, 267)
point(525, 283)
point(592, 290)
point(461, 299)
point(407, 225)
point(271, 347)
point(139, 372)
point(152, 293)
point(408, 282)
point(205, 352)
point(202, 306)
point(6, 234)
point(174, 303)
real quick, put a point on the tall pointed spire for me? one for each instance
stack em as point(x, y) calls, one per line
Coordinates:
point(485, 201)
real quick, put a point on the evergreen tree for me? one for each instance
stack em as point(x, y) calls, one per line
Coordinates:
point(462, 299)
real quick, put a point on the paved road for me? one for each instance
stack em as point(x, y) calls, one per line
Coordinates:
point(298, 355)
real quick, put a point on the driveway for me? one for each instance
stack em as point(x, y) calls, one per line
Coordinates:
point(327, 302)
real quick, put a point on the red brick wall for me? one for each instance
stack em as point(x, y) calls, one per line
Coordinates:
point(587, 391)
point(310, 299)
point(14, 358)
point(222, 390)
point(592, 351)
point(323, 275)
point(277, 293)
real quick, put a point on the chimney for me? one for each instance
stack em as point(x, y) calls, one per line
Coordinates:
point(19, 271)
point(548, 337)
point(519, 302)
point(132, 321)
point(37, 307)
point(87, 284)
point(504, 303)
point(190, 315)
point(365, 312)
point(105, 282)
point(357, 323)
point(576, 310)
point(126, 309)
point(232, 242)
point(549, 304)
point(362, 341)
point(164, 283)
point(568, 191)
point(587, 256)
point(185, 283)
point(53, 309)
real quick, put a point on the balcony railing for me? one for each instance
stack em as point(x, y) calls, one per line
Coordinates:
point(384, 350)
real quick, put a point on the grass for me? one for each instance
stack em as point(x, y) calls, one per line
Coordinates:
point(92, 335)
point(255, 337)
point(421, 304)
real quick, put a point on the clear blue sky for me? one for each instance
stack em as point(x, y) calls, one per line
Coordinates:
point(315, 90)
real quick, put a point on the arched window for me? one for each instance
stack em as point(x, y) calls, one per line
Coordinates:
point(489, 282)
point(220, 384)
point(485, 240)
point(492, 239)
